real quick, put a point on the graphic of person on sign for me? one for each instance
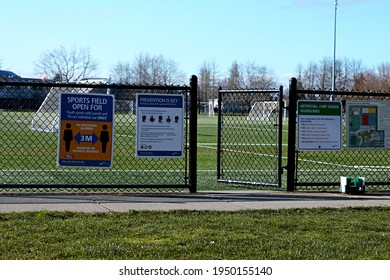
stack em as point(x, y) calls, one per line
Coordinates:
point(68, 136)
point(104, 138)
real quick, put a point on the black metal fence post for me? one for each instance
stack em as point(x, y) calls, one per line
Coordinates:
point(292, 115)
point(193, 134)
point(219, 135)
point(280, 135)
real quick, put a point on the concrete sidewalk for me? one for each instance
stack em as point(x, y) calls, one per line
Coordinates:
point(216, 200)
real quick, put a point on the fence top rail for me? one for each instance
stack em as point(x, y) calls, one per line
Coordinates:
point(355, 93)
point(249, 90)
point(94, 85)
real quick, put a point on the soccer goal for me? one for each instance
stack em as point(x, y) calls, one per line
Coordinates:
point(213, 107)
point(47, 117)
point(262, 111)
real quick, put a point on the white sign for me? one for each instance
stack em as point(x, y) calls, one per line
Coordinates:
point(319, 125)
point(160, 126)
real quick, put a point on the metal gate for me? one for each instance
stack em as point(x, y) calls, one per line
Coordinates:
point(250, 136)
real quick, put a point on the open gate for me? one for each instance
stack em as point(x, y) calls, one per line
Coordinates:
point(250, 136)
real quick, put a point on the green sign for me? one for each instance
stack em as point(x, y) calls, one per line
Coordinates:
point(319, 108)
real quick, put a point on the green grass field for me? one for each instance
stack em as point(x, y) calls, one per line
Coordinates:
point(296, 234)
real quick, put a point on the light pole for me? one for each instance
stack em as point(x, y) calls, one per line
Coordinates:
point(334, 48)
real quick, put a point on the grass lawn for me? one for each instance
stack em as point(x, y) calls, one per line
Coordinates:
point(299, 234)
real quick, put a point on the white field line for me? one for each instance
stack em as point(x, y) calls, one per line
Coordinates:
point(366, 168)
point(208, 145)
point(226, 126)
point(238, 151)
point(125, 135)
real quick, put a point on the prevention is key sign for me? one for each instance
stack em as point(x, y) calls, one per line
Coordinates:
point(160, 125)
point(85, 137)
point(319, 125)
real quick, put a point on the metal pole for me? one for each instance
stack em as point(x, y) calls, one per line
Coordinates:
point(280, 136)
point(193, 134)
point(219, 134)
point(334, 47)
point(292, 116)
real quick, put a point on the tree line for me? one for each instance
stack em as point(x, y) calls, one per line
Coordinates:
point(66, 65)
point(351, 75)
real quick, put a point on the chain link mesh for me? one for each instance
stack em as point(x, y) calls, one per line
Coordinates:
point(249, 137)
point(320, 170)
point(29, 143)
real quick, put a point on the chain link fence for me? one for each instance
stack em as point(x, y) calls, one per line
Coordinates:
point(29, 142)
point(365, 143)
point(250, 141)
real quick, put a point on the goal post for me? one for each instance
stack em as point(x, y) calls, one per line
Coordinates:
point(263, 110)
point(213, 107)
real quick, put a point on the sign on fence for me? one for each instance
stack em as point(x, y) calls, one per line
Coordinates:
point(319, 125)
point(160, 125)
point(368, 124)
point(85, 137)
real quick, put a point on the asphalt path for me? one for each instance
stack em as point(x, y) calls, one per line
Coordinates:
point(215, 200)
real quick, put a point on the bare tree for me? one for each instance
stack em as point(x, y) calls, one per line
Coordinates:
point(364, 82)
point(309, 76)
point(249, 75)
point(377, 79)
point(139, 69)
point(204, 81)
point(208, 81)
point(324, 73)
point(122, 72)
point(384, 76)
point(148, 69)
point(257, 76)
point(357, 69)
point(318, 75)
point(66, 65)
point(235, 77)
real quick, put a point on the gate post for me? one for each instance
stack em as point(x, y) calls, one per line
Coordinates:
point(280, 136)
point(219, 133)
point(292, 125)
point(193, 142)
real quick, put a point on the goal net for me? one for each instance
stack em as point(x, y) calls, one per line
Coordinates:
point(263, 111)
point(47, 117)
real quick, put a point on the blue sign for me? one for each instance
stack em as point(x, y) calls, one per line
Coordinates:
point(85, 136)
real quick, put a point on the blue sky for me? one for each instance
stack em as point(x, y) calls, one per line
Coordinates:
point(278, 34)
